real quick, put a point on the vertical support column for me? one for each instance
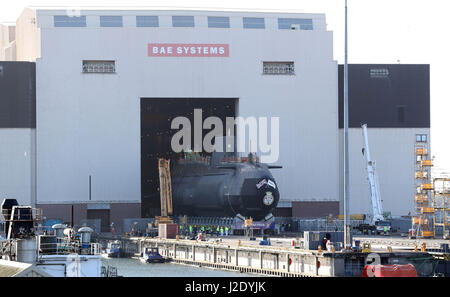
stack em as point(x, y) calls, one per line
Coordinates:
point(347, 230)
point(214, 255)
point(33, 166)
point(193, 252)
point(316, 267)
point(236, 259)
point(287, 263)
point(261, 259)
point(174, 250)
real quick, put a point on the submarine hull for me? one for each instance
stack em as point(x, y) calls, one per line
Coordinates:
point(224, 190)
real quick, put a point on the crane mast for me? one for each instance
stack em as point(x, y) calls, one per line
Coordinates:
point(375, 197)
point(165, 189)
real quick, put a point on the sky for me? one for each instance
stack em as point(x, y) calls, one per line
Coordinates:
point(380, 31)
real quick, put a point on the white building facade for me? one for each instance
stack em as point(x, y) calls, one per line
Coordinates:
point(88, 125)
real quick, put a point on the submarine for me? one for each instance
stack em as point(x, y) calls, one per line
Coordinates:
point(223, 186)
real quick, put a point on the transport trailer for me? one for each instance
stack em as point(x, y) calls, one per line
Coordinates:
point(227, 188)
point(258, 227)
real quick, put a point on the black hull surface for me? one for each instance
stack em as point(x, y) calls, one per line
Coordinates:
point(225, 190)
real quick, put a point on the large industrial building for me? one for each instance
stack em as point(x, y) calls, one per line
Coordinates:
point(86, 107)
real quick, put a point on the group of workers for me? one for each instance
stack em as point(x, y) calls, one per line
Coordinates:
point(213, 230)
point(287, 227)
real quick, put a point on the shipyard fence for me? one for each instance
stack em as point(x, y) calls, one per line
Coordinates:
point(322, 224)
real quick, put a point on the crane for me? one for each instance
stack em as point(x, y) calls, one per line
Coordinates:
point(377, 218)
point(165, 189)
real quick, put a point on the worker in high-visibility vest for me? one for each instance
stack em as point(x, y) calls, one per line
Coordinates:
point(190, 229)
point(217, 231)
point(226, 230)
point(221, 231)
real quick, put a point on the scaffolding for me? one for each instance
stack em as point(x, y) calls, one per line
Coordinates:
point(441, 205)
point(423, 219)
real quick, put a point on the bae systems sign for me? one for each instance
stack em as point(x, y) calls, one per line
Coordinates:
point(188, 50)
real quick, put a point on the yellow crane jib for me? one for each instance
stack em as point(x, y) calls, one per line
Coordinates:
point(165, 187)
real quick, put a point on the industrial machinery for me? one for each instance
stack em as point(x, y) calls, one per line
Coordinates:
point(366, 247)
point(376, 222)
point(19, 219)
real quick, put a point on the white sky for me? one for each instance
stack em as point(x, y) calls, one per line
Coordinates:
point(380, 31)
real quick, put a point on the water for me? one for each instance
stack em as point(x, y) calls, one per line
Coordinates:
point(134, 267)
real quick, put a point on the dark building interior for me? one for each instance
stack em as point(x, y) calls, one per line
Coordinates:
point(156, 134)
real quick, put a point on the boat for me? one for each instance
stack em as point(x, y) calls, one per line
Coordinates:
point(66, 253)
point(152, 255)
point(112, 250)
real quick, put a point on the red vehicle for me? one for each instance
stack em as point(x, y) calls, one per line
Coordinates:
point(406, 270)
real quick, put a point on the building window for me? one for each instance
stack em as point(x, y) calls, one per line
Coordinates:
point(111, 21)
point(218, 22)
point(278, 68)
point(182, 21)
point(69, 21)
point(147, 21)
point(421, 138)
point(253, 23)
point(379, 73)
point(293, 23)
point(93, 66)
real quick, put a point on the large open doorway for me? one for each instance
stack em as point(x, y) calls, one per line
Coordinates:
point(103, 215)
point(156, 134)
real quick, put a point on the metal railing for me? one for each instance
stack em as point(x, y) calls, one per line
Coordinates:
point(64, 246)
point(22, 214)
